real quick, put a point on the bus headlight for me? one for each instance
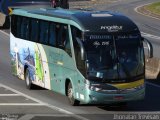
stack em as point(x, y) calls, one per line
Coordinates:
point(92, 86)
point(95, 88)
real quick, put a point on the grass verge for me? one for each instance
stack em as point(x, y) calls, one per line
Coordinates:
point(154, 8)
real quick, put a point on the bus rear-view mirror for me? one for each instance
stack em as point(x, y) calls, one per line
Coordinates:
point(81, 49)
point(149, 47)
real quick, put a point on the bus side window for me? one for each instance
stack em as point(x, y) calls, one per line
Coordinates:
point(14, 25)
point(34, 30)
point(25, 28)
point(44, 33)
point(67, 45)
point(63, 39)
point(52, 34)
point(19, 21)
point(27, 33)
point(60, 37)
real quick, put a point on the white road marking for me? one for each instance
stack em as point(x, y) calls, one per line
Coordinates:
point(150, 35)
point(4, 33)
point(20, 104)
point(152, 84)
point(31, 116)
point(39, 103)
point(136, 10)
point(22, 94)
point(3, 95)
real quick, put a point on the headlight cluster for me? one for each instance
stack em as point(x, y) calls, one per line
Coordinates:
point(95, 87)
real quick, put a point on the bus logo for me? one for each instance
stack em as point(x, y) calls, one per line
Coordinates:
point(96, 43)
point(113, 28)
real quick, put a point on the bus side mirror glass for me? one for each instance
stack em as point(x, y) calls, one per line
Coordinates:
point(4, 22)
point(149, 47)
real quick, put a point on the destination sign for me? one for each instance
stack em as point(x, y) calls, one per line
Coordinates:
point(99, 37)
point(128, 36)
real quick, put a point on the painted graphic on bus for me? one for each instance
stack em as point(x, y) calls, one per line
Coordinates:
point(29, 54)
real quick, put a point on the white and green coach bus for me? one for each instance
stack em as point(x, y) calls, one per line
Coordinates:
point(93, 57)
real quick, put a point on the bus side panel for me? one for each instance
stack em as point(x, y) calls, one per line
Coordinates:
point(13, 55)
point(61, 67)
point(30, 54)
point(42, 73)
point(17, 56)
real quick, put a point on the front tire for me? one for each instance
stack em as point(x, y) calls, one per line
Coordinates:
point(70, 94)
point(28, 81)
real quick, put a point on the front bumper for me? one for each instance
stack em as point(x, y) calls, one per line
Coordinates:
point(93, 97)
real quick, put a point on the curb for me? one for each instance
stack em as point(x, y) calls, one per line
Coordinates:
point(141, 10)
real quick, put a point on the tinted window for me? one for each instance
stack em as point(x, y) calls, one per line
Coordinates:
point(44, 30)
point(19, 21)
point(25, 28)
point(63, 39)
point(34, 30)
point(52, 34)
point(67, 46)
point(14, 25)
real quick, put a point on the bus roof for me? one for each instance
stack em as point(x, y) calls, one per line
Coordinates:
point(90, 21)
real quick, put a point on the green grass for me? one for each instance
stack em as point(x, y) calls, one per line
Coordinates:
point(154, 8)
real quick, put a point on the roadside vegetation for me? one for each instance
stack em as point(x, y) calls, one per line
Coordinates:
point(154, 8)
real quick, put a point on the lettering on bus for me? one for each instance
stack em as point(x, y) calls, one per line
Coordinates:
point(113, 28)
point(102, 43)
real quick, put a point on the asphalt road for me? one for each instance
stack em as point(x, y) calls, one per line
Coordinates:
point(44, 104)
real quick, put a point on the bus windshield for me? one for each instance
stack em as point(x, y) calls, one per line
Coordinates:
point(111, 57)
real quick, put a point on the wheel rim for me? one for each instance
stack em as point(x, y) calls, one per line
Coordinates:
point(70, 94)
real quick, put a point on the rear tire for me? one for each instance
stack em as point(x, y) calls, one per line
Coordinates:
point(70, 94)
point(28, 81)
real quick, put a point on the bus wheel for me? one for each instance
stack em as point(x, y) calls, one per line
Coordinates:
point(29, 84)
point(70, 95)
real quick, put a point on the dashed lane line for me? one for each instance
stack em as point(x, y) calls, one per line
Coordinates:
point(40, 103)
